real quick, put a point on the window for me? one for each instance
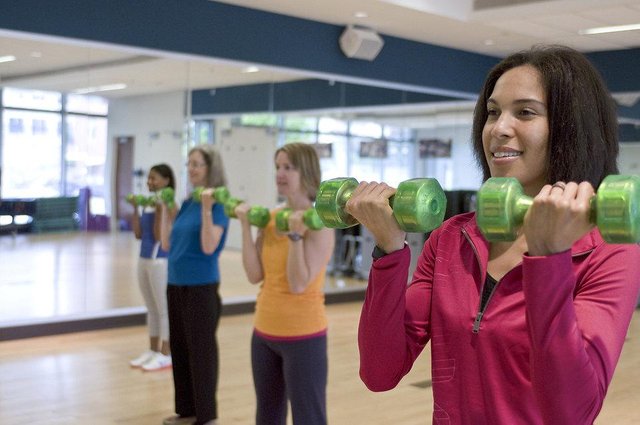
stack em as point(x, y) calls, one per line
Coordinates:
point(16, 125)
point(82, 104)
point(337, 164)
point(365, 129)
point(259, 120)
point(297, 123)
point(332, 125)
point(202, 132)
point(85, 158)
point(398, 166)
point(389, 156)
point(39, 126)
point(31, 159)
point(31, 99)
point(300, 137)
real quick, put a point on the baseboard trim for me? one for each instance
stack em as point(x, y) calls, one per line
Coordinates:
point(135, 317)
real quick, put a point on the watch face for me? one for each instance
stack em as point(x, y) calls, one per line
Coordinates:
point(378, 253)
point(295, 236)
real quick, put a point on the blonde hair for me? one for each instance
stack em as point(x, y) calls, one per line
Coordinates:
point(304, 158)
point(216, 175)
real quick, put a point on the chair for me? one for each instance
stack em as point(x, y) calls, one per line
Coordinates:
point(88, 221)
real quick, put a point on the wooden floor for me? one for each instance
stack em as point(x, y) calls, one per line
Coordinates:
point(84, 378)
point(79, 274)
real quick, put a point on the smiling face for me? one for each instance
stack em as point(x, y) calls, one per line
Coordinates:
point(156, 182)
point(197, 168)
point(515, 136)
point(287, 176)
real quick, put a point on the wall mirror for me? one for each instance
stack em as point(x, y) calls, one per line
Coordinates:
point(55, 85)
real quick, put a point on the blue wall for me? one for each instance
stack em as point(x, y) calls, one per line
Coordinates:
point(207, 28)
point(211, 29)
point(299, 96)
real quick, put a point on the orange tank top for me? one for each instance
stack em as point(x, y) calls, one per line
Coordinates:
point(280, 313)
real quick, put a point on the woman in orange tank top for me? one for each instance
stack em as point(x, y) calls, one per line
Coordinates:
point(289, 343)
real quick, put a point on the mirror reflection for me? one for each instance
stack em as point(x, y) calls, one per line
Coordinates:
point(82, 125)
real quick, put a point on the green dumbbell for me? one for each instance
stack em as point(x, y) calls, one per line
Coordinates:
point(258, 216)
point(167, 196)
point(149, 201)
point(142, 200)
point(418, 205)
point(310, 219)
point(221, 194)
point(615, 209)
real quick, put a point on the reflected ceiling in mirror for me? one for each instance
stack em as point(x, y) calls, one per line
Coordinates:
point(46, 63)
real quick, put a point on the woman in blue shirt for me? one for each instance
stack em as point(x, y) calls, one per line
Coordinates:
point(194, 237)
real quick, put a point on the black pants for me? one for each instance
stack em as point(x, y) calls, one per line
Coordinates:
point(194, 313)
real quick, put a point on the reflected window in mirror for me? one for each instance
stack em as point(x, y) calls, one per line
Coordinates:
point(38, 133)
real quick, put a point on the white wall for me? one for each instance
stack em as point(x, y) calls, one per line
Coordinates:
point(157, 124)
point(248, 158)
point(629, 158)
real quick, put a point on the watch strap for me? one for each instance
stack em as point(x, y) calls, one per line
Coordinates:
point(294, 237)
point(378, 253)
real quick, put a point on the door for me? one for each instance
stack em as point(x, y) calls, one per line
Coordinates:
point(124, 180)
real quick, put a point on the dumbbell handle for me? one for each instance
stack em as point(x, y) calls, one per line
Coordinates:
point(310, 219)
point(257, 216)
point(142, 200)
point(418, 205)
point(492, 206)
point(221, 194)
point(523, 203)
point(342, 198)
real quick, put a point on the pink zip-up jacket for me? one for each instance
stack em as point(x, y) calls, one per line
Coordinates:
point(544, 349)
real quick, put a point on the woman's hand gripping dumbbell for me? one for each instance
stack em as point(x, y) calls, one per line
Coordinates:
point(141, 200)
point(615, 209)
point(418, 204)
point(310, 219)
point(256, 215)
point(220, 194)
point(167, 196)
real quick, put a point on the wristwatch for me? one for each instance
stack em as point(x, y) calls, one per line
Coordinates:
point(295, 237)
point(378, 253)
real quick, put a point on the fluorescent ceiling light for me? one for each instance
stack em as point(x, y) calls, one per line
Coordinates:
point(7, 58)
point(250, 69)
point(454, 9)
point(107, 87)
point(605, 30)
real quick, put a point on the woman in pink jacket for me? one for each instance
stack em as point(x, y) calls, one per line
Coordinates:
point(522, 332)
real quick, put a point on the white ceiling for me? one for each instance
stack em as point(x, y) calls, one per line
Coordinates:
point(495, 27)
point(486, 26)
point(60, 65)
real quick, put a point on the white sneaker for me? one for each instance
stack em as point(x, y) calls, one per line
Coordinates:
point(142, 358)
point(157, 362)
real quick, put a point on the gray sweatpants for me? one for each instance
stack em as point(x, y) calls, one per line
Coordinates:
point(294, 371)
